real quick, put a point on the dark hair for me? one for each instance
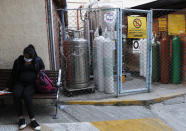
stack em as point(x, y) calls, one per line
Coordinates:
point(30, 49)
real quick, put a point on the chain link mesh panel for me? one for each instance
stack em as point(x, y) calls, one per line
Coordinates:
point(168, 47)
point(134, 50)
point(90, 54)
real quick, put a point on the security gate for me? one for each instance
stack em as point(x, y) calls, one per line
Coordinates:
point(134, 51)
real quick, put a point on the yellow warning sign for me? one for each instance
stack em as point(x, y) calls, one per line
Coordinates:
point(137, 27)
point(176, 24)
point(162, 24)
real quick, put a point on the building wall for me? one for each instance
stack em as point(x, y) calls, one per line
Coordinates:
point(56, 21)
point(22, 22)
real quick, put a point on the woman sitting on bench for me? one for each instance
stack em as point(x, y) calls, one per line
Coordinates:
point(22, 83)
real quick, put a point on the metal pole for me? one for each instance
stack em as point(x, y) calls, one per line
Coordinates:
point(151, 31)
point(51, 35)
point(149, 51)
point(53, 44)
point(63, 23)
point(118, 85)
point(136, 10)
point(119, 51)
point(165, 9)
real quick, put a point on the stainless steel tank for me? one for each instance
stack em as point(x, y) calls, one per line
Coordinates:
point(79, 61)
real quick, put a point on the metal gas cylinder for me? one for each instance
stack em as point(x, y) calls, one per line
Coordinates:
point(98, 62)
point(79, 63)
point(176, 60)
point(155, 61)
point(164, 49)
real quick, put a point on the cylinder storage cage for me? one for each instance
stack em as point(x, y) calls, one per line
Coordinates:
point(109, 51)
point(169, 32)
point(90, 51)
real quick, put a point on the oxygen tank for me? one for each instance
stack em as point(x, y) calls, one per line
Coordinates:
point(143, 56)
point(164, 47)
point(94, 58)
point(98, 62)
point(176, 60)
point(141, 59)
point(108, 65)
point(155, 61)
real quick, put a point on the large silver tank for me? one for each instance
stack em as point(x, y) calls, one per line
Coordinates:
point(79, 61)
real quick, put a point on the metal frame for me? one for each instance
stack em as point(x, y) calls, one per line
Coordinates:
point(119, 51)
point(149, 52)
point(59, 85)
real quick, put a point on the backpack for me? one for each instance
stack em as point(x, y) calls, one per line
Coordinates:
point(44, 83)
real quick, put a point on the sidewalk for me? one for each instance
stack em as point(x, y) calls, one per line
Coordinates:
point(113, 118)
point(143, 124)
point(159, 93)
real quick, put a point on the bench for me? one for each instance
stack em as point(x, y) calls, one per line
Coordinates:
point(55, 76)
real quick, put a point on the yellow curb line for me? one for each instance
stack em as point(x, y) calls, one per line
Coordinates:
point(166, 97)
point(123, 102)
point(112, 102)
point(140, 124)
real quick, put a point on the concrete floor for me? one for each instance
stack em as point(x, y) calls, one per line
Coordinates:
point(134, 83)
point(173, 114)
point(166, 116)
point(95, 118)
point(77, 113)
point(170, 113)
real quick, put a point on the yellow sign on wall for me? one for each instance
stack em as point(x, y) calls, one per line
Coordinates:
point(162, 24)
point(176, 24)
point(137, 27)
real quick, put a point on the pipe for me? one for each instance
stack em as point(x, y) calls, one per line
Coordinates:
point(63, 11)
point(134, 91)
point(78, 17)
point(63, 23)
point(51, 34)
point(136, 10)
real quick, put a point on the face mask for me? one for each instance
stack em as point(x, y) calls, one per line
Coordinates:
point(27, 60)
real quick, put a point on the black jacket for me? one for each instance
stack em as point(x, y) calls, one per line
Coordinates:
point(38, 65)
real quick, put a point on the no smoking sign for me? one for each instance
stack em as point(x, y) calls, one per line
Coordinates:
point(137, 23)
point(137, 27)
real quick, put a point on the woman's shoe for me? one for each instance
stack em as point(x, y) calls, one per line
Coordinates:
point(35, 125)
point(22, 123)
